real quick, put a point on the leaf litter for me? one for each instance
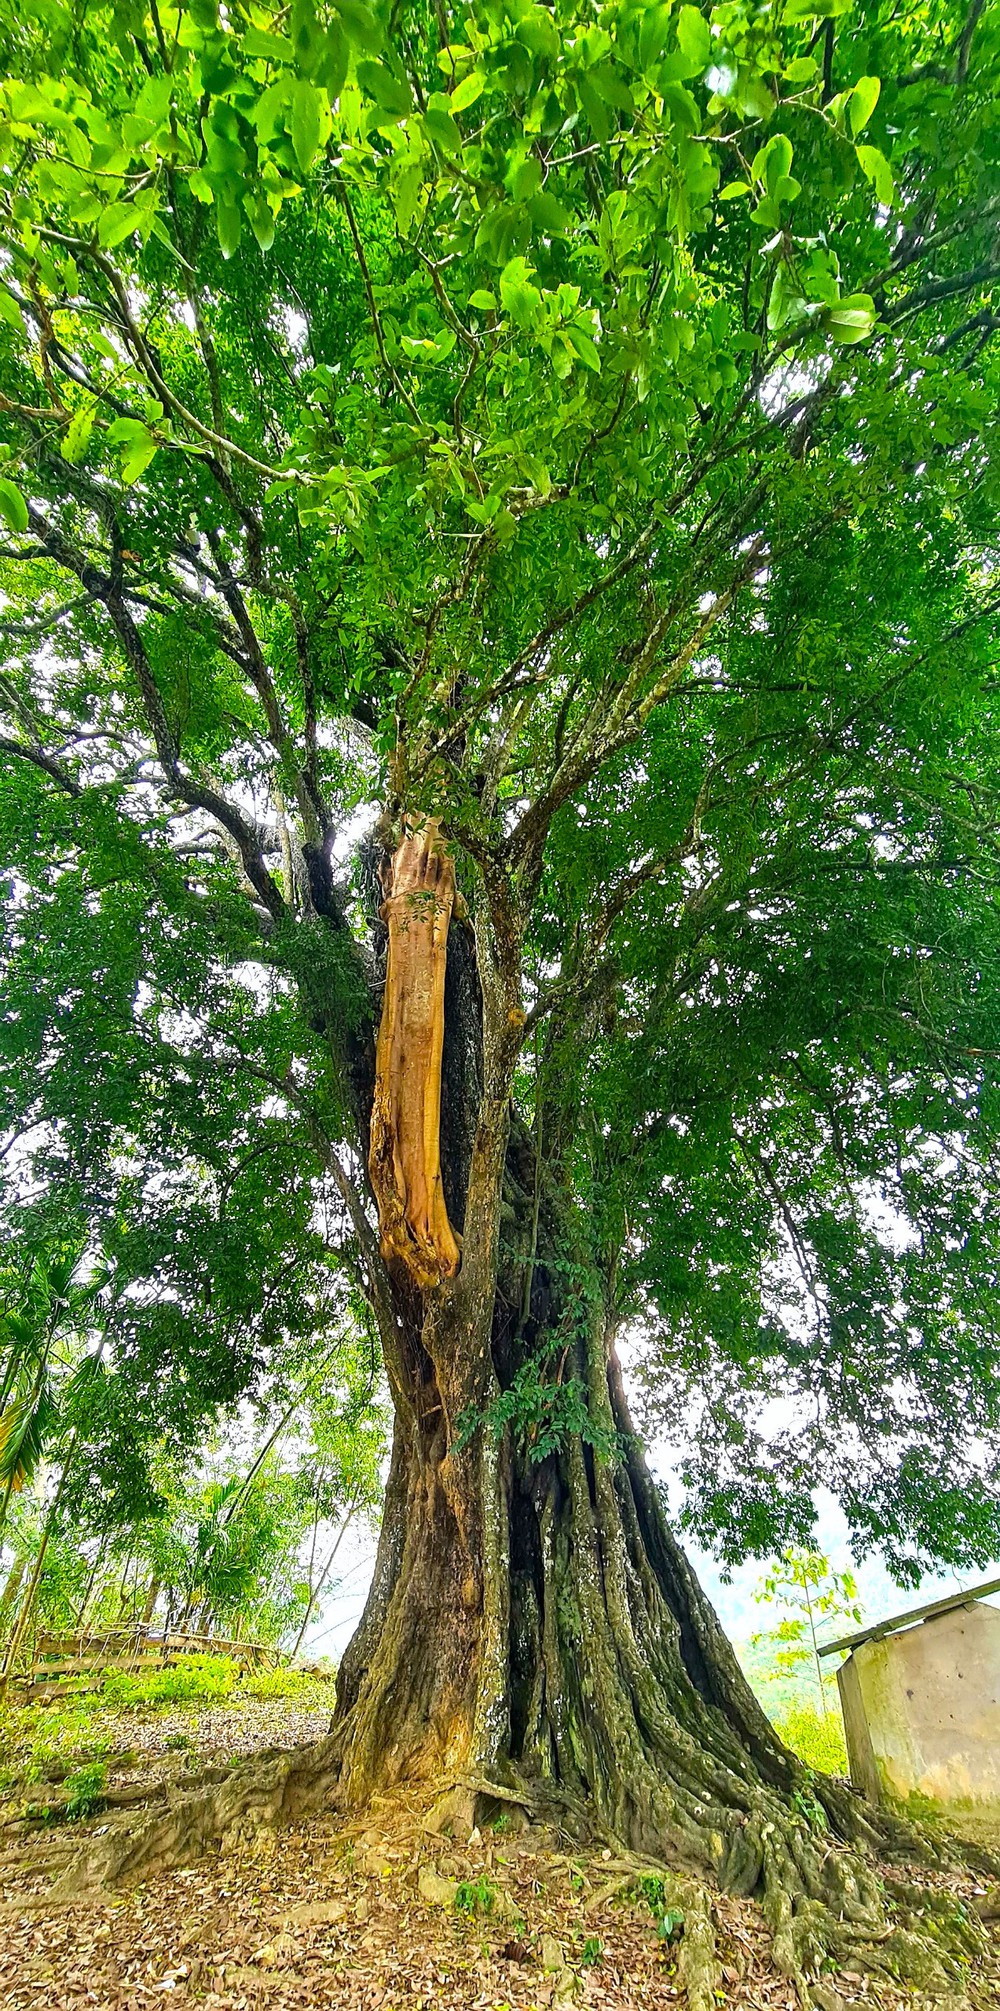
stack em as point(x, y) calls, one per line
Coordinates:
point(367, 1912)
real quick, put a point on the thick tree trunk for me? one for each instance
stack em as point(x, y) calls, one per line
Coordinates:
point(596, 1665)
point(532, 1624)
point(535, 1626)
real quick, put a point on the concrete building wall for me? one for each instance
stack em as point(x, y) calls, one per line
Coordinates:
point(922, 1712)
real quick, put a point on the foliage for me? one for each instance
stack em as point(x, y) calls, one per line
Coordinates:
point(281, 1682)
point(193, 1679)
point(85, 1796)
point(211, 1547)
point(476, 1897)
point(651, 1888)
point(544, 1410)
point(590, 444)
point(816, 1736)
point(805, 1582)
point(49, 1365)
point(85, 1791)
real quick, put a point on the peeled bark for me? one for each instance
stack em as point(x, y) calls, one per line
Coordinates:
point(405, 1152)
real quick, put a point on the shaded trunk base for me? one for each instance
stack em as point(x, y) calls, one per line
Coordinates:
point(828, 1907)
point(620, 1712)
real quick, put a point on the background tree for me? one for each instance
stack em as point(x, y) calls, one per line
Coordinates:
point(580, 479)
point(207, 1533)
point(805, 1582)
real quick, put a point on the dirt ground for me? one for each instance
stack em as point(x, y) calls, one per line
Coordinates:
point(375, 1913)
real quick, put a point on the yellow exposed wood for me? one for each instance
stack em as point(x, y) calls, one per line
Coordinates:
point(405, 1155)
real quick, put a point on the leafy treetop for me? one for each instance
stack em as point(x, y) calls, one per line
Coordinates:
point(574, 421)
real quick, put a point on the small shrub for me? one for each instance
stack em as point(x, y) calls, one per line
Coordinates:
point(85, 1796)
point(476, 1896)
point(198, 1679)
point(817, 1740)
point(592, 1952)
point(86, 1791)
point(652, 1889)
point(266, 1683)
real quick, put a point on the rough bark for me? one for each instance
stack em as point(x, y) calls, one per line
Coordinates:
point(606, 1692)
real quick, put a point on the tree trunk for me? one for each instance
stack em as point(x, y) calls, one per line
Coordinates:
point(538, 1612)
point(532, 1623)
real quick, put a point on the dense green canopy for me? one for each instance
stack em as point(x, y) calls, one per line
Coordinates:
point(572, 422)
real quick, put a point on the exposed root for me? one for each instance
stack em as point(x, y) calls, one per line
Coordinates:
point(828, 1908)
point(260, 1794)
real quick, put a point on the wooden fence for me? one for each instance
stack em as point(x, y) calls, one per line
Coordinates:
point(65, 1662)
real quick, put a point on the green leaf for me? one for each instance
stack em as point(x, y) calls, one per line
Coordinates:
point(116, 223)
point(261, 220)
point(772, 161)
point(360, 24)
point(862, 103)
point(136, 444)
point(852, 319)
point(307, 36)
point(307, 109)
point(873, 163)
point(440, 128)
point(654, 33)
point(405, 185)
point(13, 508)
point(269, 48)
point(76, 438)
point(228, 223)
point(734, 189)
point(269, 113)
point(584, 346)
point(466, 93)
point(519, 298)
point(9, 311)
point(693, 37)
point(392, 94)
point(482, 298)
point(538, 31)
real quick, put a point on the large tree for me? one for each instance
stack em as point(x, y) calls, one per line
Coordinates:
point(502, 771)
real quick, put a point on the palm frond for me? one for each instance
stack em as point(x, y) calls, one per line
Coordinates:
point(25, 1427)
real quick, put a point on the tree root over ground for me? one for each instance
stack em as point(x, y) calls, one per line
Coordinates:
point(833, 1910)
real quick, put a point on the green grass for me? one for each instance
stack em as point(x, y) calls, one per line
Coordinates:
point(267, 1683)
point(198, 1679)
point(78, 1729)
